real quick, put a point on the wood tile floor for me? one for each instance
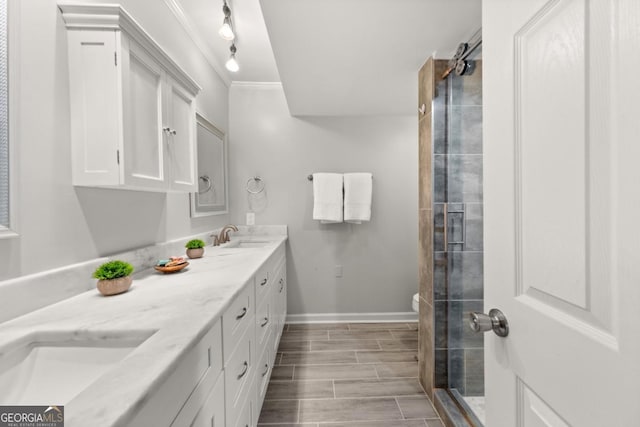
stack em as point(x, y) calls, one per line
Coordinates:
point(347, 375)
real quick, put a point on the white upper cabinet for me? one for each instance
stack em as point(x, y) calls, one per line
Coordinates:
point(133, 113)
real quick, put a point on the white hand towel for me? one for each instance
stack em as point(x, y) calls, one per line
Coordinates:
point(327, 197)
point(358, 188)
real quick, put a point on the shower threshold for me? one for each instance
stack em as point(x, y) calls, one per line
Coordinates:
point(458, 410)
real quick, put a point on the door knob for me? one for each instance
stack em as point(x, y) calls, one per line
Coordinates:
point(495, 320)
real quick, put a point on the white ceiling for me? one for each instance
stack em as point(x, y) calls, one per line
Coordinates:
point(338, 57)
point(254, 52)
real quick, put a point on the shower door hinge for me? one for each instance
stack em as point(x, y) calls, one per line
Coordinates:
point(118, 156)
point(115, 58)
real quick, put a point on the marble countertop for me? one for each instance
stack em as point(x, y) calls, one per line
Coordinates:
point(173, 310)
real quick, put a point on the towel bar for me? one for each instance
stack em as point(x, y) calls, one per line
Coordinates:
point(310, 177)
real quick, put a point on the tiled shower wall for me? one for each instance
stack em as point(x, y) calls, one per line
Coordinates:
point(457, 263)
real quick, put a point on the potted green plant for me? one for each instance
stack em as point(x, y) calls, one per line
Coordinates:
point(195, 248)
point(114, 277)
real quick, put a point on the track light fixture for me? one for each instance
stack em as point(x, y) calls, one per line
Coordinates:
point(232, 64)
point(226, 31)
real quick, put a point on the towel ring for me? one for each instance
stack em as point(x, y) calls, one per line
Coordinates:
point(258, 185)
point(206, 179)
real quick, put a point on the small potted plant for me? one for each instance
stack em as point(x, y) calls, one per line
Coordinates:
point(114, 277)
point(195, 248)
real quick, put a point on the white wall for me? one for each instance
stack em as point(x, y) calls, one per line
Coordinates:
point(60, 224)
point(379, 258)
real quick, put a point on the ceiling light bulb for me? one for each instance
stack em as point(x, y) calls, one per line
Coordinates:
point(226, 32)
point(232, 64)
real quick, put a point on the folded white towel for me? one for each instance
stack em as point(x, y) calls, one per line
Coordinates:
point(327, 197)
point(358, 188)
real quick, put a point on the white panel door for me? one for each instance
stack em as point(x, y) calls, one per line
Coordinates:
point(182, 138)
point(562, 205)
point(95, 126)
point(144, 159)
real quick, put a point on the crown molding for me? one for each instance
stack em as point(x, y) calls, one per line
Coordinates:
point(100, 17)
point(255, 84)
point(178, 11)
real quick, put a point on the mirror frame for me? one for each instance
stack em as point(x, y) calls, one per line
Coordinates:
point(13, 13)
point(196, 209)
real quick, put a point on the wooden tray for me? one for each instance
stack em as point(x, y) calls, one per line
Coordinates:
point(173, 268)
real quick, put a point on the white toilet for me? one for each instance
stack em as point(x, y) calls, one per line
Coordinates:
point(415, 303)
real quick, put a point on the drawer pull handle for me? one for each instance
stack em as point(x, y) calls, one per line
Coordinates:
point(264, 282)
point(241, 315)
point(266, 320)
point(244, 371)
point(266, 369)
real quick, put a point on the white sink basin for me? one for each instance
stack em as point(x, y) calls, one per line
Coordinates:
point(246, 244)
point(252, 244)
point(53, 368)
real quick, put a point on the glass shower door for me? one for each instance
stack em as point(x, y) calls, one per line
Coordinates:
point(458, 244)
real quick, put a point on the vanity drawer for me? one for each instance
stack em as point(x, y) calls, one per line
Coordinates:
point(238, 376)
point(235, 321)
point(209, 413)
point(246, 417)
point(188, 384)
point(264, 319)
point(263, 281)
point(263, 373)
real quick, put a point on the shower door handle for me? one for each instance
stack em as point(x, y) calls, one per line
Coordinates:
point(463, 224)
point(495, 321)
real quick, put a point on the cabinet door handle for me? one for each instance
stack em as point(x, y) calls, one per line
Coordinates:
point(281, 285)
point(241, 315)
point(266, 320)
point(266, 369)
point(264, 282)
point(244, 371)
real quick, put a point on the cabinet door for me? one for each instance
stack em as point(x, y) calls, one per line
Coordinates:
point(239, 377)
point(279, 303)
point(212, 412)
point(181, 141)
point(144, 155)
point(95, 123)
point(262, 376)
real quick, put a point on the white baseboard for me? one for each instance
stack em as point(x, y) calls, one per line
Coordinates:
point(409, 316)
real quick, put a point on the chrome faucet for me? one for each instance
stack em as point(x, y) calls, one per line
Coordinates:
point(223, 237)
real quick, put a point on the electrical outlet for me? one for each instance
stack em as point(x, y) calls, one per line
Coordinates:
point(338, 270)
point(251, 218)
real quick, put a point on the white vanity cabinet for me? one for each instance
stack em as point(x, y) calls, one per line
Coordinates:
point(223, 380)
point(179, 399)
point(133, 112)
point(270, 316)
